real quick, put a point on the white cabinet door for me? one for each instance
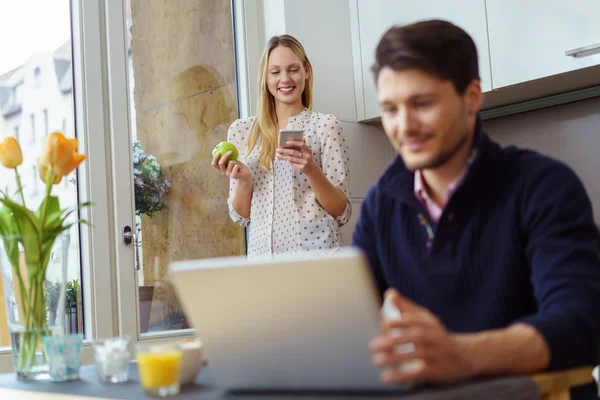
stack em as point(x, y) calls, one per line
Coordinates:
point(529, 38)
point(377, 16)
point(323, 28)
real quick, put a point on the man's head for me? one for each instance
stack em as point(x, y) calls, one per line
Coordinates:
point(429, 91)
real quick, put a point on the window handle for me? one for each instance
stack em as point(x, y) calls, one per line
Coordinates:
point(128, 238)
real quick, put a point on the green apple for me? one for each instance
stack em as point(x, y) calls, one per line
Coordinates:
point(223, 148)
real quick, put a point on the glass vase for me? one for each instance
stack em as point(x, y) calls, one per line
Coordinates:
point(34, 291)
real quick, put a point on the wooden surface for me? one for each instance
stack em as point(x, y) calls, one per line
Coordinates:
point(555, 385)
point(10, 394)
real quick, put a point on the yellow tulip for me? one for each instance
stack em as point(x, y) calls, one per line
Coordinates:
point(11, 155)
point(59, 153)
point(43, 171)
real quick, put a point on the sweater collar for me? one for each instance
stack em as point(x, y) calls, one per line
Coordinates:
point(399, 181)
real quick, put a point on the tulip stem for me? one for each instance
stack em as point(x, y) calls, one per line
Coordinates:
point(49, 183)
point(20, 187)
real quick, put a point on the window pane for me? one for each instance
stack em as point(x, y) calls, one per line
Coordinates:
point(36, 96)
point(183, 100)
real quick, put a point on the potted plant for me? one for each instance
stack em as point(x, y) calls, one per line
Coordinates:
point(149, 185)
point(71, 305)
point(52, 296)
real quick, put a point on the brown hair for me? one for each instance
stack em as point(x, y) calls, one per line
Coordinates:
point(435, 46)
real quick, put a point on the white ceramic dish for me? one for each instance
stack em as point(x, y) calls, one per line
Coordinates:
point(192, 358)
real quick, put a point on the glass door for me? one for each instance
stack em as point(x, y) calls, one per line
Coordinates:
point(172, 102)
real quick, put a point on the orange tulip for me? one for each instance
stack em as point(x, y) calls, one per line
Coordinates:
point(57, 149)
point(59, 153)
point(11, 155)
point(65, 169)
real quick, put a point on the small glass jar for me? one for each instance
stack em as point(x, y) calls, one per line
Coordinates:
point(112, 356)
point(64, 356)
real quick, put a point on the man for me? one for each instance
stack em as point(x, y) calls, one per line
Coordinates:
point(491, 254)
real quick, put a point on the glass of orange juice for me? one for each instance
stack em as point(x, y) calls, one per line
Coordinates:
point(158, 367)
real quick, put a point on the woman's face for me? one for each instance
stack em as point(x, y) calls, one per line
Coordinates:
point(286, 76)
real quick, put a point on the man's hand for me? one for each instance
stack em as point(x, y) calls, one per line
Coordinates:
point(442, 356)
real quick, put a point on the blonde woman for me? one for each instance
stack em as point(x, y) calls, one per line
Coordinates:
point(295, 197)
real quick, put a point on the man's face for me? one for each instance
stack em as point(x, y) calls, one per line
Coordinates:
point(425, 119)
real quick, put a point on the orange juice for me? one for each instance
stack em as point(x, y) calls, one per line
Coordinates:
point(158, 369)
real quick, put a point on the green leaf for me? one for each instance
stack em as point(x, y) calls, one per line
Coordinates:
point(28, 229)
point(68, 212)
point(7, 225)
point(47, 246)
point(33, 223)
point(77, 208)
point(8, 230)
point(53, 213)
point(29, 238)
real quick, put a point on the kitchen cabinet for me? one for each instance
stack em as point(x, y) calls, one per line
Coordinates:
point(372, 18)
point(528, 39)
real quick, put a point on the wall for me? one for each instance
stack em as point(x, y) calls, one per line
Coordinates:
point(570, 133)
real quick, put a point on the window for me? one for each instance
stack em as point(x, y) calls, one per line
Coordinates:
point(58, 102)
point(32, 119)
point(34, 181)
point(79, 65)
point(46, 131)
point(19, 93)
point(37, 77)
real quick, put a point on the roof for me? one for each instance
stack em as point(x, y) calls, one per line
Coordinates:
point(6, 76)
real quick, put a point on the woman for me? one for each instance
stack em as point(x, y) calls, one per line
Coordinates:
point(293, 197)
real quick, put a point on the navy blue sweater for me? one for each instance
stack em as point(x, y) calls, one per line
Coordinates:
point(516, 242)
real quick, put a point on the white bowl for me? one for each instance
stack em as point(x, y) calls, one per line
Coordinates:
point(192, 358)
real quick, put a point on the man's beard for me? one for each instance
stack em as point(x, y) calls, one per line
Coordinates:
point(441, 158)
point(446, 154)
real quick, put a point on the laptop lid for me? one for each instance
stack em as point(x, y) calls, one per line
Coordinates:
point(294, 322)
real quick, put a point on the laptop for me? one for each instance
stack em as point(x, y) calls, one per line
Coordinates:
point(298, 322)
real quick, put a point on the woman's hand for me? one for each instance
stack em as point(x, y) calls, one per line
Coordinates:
point(233, 169)
point(299, 155)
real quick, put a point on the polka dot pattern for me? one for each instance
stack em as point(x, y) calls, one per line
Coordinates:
point(285, 216)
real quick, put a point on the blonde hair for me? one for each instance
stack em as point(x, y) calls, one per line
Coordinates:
point(265, 126)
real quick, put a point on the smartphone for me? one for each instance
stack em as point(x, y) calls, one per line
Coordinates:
point(290, 134)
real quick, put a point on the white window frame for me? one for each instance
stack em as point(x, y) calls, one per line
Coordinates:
point(247, 53)
point(94, 183)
